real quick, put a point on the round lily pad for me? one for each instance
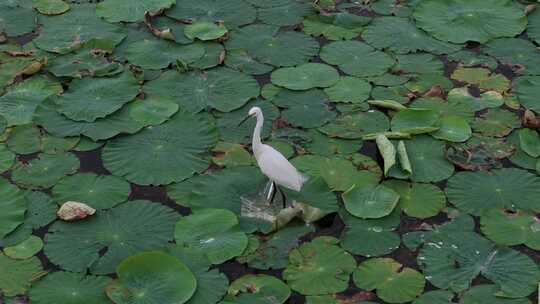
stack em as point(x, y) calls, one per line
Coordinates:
point(529, 142)
point(418, 200)
point(427, 157)
point(370, 202)
point(511, 228)
point(26, 249)
point(356, 124)
point(204, 30)
point(258, 289)
point(170, 52)
point(394, 282)
point(80, 25)
point(220, 88)
point(378, 235)
point(349, 89)
point(97, 191)
point(24, 139)
point(83, 62)
point(160, 155)
point(402, 36)
point(461, 21)
point(16, 19)
point(307, 109)
point(284, 13)
point(152, 277)
point(266, 44)
point(69, 288)
point(241, 61)
point(477, 192)
point(305, 76)
point(127, 11)
point(526, 88)
point(453, 128)
point(13, 207)
point(18, 274)
point(319, 267)
point(45, 171)
point(19, 103)
point(415, 121)
point(230, 155)
point(336, 26)
point(356, 58)
point(486, 293)
point(520, 53)
point(50, 7)
point(212, 232)
point(435, 297)
point(124, 230)
point(90, 98)
point(232, 13)
point(152, 111)
point(7, 158)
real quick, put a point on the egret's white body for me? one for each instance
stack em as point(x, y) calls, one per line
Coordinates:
point(272, 163)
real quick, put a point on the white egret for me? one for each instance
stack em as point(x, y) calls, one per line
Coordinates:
point(272, 163)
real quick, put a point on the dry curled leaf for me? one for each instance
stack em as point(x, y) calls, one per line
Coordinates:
point(530, 120)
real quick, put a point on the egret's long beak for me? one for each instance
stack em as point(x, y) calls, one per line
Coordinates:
point(244, 120)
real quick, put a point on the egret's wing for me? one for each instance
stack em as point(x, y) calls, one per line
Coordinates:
point(274, 165)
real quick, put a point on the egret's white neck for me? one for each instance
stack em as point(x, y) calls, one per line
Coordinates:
point(256, 140)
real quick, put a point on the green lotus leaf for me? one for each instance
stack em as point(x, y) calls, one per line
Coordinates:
point(418, 64)
point(45, 171)
point(464, 21)
point(489, 99)
point(339, 173)
point(496, 122)
point(16, 19)
point(267, 45)
point(319, 267)
point(14, 66)
point(389, 80)
point(284, 13)
point(97, 191)
point(349, 89)
point(58, 145)
point(316, 194)
point(336, 26)
point(435, 297)
point(305, 76)
point(356, 58)
point(204, 30)
point(229, 129)
point(24, 139)
point(152, 277)
point(415, 121)
point(20, 101)
point(519, 53)
point(452, 259)
point(480, 153)
point(470, 59)
point(85, 144)
point(402, 36)
point(212, 232)
point(387, 151)
point(69, 288)
point(127, 11)
point(76, 27)
point(241, 61)
point(231, 155)
point(50, 7)
point(220, 88)
point(526, 88)
point(170, 52)
point(221, 189)
point(482, 77)
point(357, 124)
point(41, 209)
point(255, 289)
point(273, 253)
point(453, 128)
point(533, 28)
point(7, 158)
point(477, 192)
point(26, 249)
point(418, 200)
point(484, 293)
point(529, 142)
point(13, 207)
point(90, 98)
point(307, 109)
point(336, 299)
point(394, 282)
point(427, 158)
point(103, 128)
point(213, 56)
point(423, 83)
point(160, 155)
point(397, 93)
point(323, 145)
point(378, 235)
point(124, 230)
point(370, 202)
point(152, 111)
point(507, 228)
point(17, 275)
point(232, 13)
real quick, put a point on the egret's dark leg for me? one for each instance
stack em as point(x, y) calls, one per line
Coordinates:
point(282, 197)
point(273, 192)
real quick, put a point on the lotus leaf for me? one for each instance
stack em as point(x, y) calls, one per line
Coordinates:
point(17, 275)
point(128, 11)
